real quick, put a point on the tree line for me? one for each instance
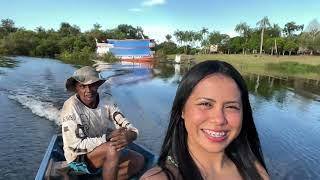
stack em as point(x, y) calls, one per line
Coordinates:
point(66, 43)
point(265, 38)
point(69, 43)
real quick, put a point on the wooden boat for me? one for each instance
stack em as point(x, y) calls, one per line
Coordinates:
point(54, 165)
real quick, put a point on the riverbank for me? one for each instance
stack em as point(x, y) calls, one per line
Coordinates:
point(295, 66)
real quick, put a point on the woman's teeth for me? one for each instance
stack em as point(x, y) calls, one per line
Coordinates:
point(215, 133)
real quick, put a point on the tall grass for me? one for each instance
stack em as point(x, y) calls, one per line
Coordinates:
point(82, 57)
point(109, 58)
point(293, 67)
point(85, 57)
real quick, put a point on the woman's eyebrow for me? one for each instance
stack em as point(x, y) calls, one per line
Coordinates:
point(212, 100)
point(231, 102)
point(205, 98)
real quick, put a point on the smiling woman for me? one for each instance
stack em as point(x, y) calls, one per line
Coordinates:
point(211, 133)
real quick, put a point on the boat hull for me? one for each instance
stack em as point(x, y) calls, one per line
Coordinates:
point(54, 155)
point(133, 50)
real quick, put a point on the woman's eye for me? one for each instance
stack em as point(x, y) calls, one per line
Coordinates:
point(233, 107)
point(205, 104)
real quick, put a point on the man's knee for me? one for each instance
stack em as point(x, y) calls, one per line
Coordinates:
point(110, 151)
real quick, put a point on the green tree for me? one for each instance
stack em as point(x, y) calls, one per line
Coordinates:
point(263, 24)
point(217, 38)
point(310, 38)
point(243, 29)
point(235, 44)
point(7, 26)
point(19, 43)
point(274, 31)
point(67, 30)
point(280, 44)
point(96, 26)
point(168, 37)
point(291, 27)
point(178, 34)
point(128, 30)
point(167, 47)
point(204, 39)
point(290, 45)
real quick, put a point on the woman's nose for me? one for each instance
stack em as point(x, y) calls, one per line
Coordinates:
point(218, 116)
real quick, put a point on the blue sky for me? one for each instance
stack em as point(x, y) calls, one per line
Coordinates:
point(158, 17)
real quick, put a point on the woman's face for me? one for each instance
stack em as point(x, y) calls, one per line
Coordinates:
point(213, 114)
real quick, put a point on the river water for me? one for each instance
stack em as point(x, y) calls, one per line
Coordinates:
point(286, 112)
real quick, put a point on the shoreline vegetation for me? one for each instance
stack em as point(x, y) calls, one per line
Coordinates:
point(86, 57)
point(302, 66)
point(292, 50)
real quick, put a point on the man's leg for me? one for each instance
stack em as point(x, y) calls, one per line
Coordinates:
point(107, 157)
point(115, 164)
point(131, 163)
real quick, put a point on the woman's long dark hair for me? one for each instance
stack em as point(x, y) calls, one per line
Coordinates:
point(244, 151)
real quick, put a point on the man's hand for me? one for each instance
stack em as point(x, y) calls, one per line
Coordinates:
point(122, 137)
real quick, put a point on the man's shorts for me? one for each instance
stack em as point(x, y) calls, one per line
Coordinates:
point(81, 165)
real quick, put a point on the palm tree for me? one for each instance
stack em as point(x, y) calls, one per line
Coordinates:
point(243, 29)
point(96, 26)
point(178, 34)
point(140, 32)
point(312, 32)
point(8, 25)
point(187, 38)
point(263, 23)
point(291, 27)
point(204, 31)
point(168, 37)
point(204, 38)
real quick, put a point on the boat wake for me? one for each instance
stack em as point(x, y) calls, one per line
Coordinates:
point(36, 104)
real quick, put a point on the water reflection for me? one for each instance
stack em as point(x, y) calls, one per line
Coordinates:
point(268, 87)
point(6, 62)
point(145, 94)
point(275, 87)
point(286, 112)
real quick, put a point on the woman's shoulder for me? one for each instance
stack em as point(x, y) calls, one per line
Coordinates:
point(155, 173)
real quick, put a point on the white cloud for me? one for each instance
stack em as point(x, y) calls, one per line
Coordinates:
point(135, 10)
point(232, 33)
point(158, 32)
point(153, 2)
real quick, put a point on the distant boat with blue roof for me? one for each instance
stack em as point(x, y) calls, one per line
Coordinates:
point(132, 50)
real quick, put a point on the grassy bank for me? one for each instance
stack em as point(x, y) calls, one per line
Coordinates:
point(256, 60)
point(296, 66)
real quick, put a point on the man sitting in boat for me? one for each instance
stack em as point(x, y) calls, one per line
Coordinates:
point(89, 144)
